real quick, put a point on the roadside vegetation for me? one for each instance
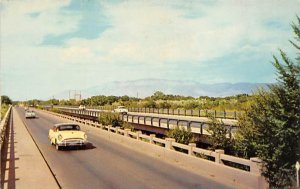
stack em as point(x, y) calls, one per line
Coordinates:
point(181, 135)
point(5, 102)
point(270, 128)
point(110, 118)
point(158, 100)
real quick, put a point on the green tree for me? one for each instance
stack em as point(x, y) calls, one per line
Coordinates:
point(271, 126)
point(218, 134)
point(158, 95)
point(150, 104)
point(5, 100)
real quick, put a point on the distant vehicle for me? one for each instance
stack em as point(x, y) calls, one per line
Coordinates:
point(81, 107)
point(29, 114)
point(67, 134)
point(121, 109)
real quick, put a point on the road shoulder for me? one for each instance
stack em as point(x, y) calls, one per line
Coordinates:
point(26, 167)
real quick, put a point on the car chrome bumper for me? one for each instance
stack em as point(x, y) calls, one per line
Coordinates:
point(72, 142)
point(29, 116)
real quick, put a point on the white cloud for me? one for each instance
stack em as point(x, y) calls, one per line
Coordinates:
point(156, 35)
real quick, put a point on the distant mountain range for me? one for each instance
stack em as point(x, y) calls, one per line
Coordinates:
point(146, 87)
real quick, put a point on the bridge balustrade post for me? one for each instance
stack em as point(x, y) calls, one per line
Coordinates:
point(230, 134)
point(108, 127)
point(117, 130)
point(191, 148)
point(126, 132)
point(255, 165)
point(138, 133)
point(168, 143)
point(188, 125)
point(168, 123)
point(151, 138)
point(218, 156)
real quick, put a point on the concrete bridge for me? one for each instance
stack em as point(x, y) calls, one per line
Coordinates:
point(115, 158)
point(157, 123)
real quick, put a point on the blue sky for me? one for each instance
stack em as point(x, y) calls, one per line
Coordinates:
point(52, 46)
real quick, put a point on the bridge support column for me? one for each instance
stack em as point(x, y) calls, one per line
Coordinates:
point(168, 143)
point(191, 146)
point(151, 138)
point(218, 156)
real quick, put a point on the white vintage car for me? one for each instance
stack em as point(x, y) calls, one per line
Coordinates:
point(29, 114)
point(121, 109)
point(67, 134)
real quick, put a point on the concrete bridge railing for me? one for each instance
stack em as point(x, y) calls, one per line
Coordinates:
point(3, 126)
point(197, 127)
point(215, 162)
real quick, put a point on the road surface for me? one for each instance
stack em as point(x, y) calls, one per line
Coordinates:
point(105, 164)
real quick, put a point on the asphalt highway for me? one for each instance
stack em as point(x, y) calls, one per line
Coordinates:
point(108, 165)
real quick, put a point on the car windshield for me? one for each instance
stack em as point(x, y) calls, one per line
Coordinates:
point(68, 127)
point(121, 107)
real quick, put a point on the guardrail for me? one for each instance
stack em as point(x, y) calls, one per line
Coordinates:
point(198, 127)
point(180, 112)
point(3, 126)
point(231, 167)
point(184, 112)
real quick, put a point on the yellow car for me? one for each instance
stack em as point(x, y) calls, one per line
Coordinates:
point(67, 134)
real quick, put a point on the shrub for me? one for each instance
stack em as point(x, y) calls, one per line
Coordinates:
point(126, 125)
point(181, 135)
point(55, 110)
point(218, 132)
point(110, 118)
